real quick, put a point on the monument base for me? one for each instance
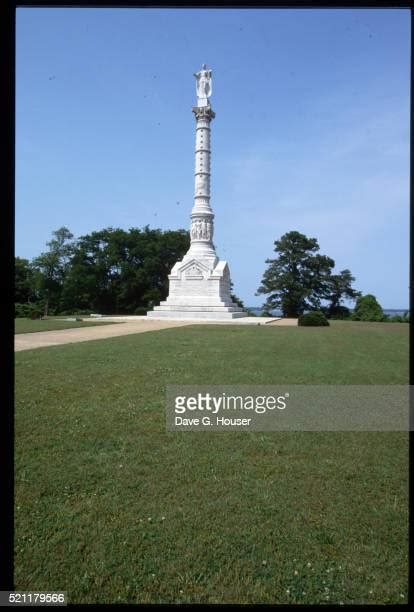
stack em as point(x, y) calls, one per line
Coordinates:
point(195, 314)
point(199, 290)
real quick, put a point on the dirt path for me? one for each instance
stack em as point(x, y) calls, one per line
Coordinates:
point(24, 342)
point(284, 322)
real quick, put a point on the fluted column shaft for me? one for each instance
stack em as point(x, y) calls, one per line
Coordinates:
point(202, 216)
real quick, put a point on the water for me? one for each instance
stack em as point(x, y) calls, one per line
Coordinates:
point(278, 313)
point(257, 310)
point(393, 312)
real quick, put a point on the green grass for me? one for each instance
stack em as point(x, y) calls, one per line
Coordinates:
point(26, 326)
point(111, 508)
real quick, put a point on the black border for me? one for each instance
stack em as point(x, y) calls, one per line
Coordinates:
point(7, 229)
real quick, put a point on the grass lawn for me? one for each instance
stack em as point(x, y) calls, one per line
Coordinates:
point(111, 508)
point(26, 326)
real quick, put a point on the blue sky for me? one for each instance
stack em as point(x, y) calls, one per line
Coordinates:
point(311, 131)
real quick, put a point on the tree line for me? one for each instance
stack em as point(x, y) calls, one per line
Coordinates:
point(116, 271)
point(108, 271)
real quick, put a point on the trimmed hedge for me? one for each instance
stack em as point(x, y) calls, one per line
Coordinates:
point(141, 310)
point(314, 319)
point(28, 311)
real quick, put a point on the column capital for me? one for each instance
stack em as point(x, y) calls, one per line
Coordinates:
point(203, 112)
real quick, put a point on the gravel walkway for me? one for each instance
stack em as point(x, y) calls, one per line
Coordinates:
point(23, 342)
point(136, 325)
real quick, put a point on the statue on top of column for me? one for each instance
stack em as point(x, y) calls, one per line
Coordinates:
point(204, 86)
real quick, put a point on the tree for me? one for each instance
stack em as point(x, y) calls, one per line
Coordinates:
point(234, 297)
point(298, 279)
point(24, 289)
point(118, 271)
point(92, 281)
point(51, 267)
point(339, 288)
point(367, 309)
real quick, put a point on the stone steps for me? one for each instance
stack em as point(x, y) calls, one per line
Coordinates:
point(187, 308)
point(197, 314)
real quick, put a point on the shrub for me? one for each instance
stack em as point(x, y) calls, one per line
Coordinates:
point(28, 311)
point(368, 309)
point(339, 312)
point(399, 319)
point(314, 319)
point(36, 312)
point(141, 310)
point(22, 310)
point(74, 313)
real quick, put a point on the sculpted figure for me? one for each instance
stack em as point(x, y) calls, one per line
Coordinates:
point(204, 85)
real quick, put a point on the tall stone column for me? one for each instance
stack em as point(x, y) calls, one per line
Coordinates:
point(199, 284)
point(202, 216)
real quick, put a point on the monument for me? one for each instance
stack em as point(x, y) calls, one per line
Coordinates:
point(199, 284)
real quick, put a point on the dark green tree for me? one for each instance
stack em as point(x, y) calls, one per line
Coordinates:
point(118, 271)
point(234, 297)
point(24, 282)
point(298, 279)
point(368, 309)
point(50, 268)
point(340, 288)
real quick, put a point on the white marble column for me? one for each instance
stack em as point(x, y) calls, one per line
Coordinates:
point(199, 284)
point(202, 216)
